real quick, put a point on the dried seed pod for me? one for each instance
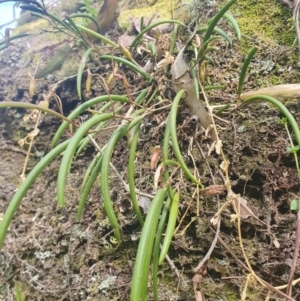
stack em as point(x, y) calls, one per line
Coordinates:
point(26, 118)
point(202, 71)
point(31, 86)
point(155, 157)
point(125, 51)
point(111, 79)
point(158, 173)
point(21, 142)
point(32, 134)
point(88, 81)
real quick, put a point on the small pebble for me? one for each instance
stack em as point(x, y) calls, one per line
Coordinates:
point(280, 71)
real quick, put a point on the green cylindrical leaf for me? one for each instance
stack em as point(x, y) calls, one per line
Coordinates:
point(170, 228)
point(245, 66)
point(143, 257)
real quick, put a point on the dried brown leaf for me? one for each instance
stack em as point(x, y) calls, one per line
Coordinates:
point(126, 39)
point(144, 203)
point(212, 190)
point(245, 211)
point(181, 80)
point(105, 16)
point(241, 205)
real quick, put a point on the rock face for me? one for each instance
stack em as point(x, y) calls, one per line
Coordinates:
point(52, 256)
point(25, 17)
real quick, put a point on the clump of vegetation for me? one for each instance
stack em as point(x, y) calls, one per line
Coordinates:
point(176, 77)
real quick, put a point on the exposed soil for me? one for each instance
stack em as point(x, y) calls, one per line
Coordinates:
point(52, 256)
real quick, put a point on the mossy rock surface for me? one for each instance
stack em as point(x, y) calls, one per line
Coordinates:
point(52, 256)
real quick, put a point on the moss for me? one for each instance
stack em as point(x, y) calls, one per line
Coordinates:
point(275, 80)
point(162, 8)
point(100, 217)
point(69, 67)
point(266, 20)
point(36, 27)
point(32, 27)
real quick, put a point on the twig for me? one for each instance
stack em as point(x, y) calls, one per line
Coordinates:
point(172, 265)
point(214, 242)
point(296, 20)
point(266, 284)
point(295, 257)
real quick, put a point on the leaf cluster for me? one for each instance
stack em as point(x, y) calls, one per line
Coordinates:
point(163, 211)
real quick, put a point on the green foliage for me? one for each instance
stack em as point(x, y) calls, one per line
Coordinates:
point(177, 152)
point(81, 69)
point(170, 228)
point(131, 170)
point(142, 262)
point(270, 18)
point(159, 232)
point(214, 21)
point(295, 204)
point(147, 29)
point(18, 293)
point(244, 69)
point(161, 215)
point(55, 63)
point(293, 149)
point(89, 8)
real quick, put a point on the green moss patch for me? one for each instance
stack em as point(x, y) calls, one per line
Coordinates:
point(267, 20)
